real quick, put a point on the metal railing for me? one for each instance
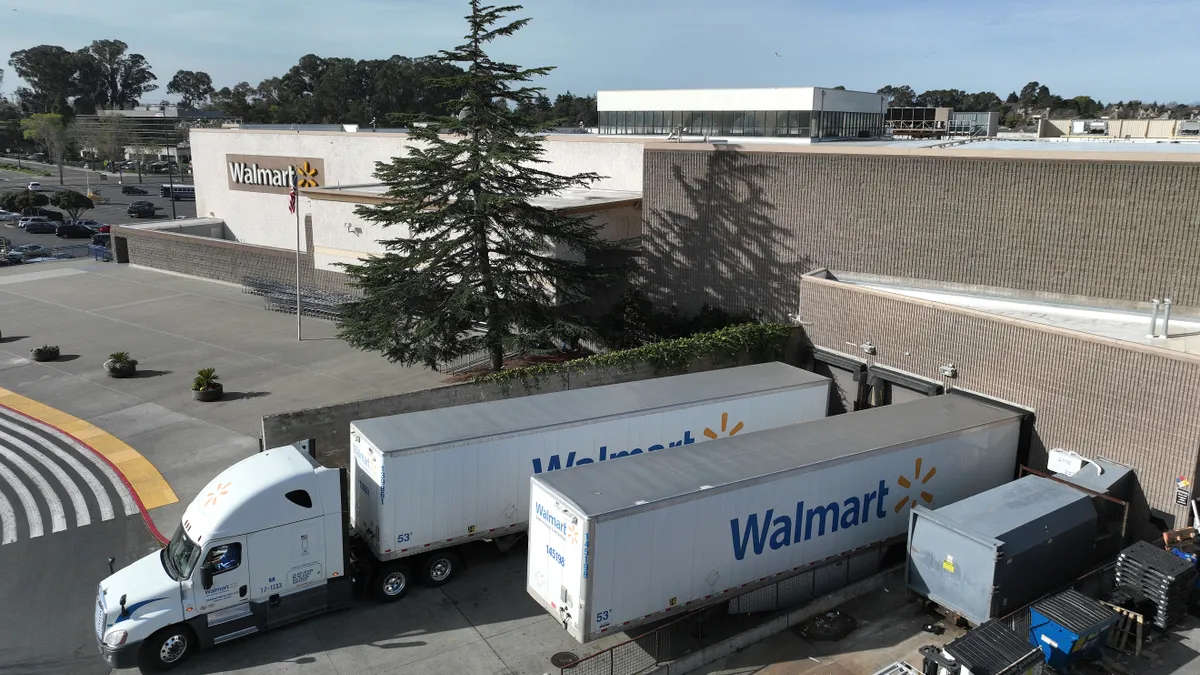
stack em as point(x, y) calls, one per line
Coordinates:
point(653, 645)
point(68, 252)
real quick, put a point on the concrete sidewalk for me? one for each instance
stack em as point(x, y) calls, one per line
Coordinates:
point(174, 326)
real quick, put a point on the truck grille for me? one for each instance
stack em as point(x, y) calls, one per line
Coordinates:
point(99, 616)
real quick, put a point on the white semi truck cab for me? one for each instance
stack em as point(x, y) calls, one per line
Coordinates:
point(265, 543)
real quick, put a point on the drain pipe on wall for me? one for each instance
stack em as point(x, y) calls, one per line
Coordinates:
point(1166, 318)
point(1154, 319)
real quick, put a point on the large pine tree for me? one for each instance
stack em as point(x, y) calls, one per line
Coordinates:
point(478, 266)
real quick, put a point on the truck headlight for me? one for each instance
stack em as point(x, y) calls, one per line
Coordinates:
point(115, 638)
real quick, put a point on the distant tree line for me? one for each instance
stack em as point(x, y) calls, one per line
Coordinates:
point(398, 90)
point(1018, 108)
point(106, 75)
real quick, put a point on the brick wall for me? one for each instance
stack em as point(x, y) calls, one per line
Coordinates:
point(736, 229)
point(222, 260)
point(1135, 405)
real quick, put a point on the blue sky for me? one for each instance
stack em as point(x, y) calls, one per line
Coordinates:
point(1109, 49)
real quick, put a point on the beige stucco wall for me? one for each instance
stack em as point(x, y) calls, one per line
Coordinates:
point(349, 159)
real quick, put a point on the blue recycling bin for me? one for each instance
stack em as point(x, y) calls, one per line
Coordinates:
point(1070, 627)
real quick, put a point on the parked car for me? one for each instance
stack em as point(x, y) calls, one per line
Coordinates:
point(9, 216)
point(132, 190)
point(35, 186)
point(38, 225)
point(87, 222)
point(48, 214)
point(73, 231)
point(29, 251)
point(141, 210)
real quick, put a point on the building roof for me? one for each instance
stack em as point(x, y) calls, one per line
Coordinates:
point(571, 200)
point(1084, 151)
point(441, 427)
point(738, 90)
point(1123, 321)
point(677, 474)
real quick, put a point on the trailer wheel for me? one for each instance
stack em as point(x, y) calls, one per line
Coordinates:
point(438, 567)
point(168, 648)
point(391, 581)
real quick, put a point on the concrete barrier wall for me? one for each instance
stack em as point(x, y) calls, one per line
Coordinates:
point(330, 425)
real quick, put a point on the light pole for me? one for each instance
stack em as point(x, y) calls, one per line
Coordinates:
point(171, 180)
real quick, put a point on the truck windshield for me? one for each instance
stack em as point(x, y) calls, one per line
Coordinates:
point(180, 556)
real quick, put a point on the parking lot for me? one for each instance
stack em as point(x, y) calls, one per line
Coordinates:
point(112, 213)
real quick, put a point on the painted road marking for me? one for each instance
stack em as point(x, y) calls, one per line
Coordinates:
point(50, 462)
point(128, 503)
point(58, 515)
point(8, 522)
point(151, 489)
point(82, 515)
point(102, 500)
point(32, 515)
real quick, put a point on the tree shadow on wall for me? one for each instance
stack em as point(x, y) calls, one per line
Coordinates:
point(716, 239)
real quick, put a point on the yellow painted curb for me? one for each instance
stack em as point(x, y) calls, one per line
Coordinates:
point(148, 484)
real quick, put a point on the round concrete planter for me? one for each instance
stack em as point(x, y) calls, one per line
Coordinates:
point(127, 369)
point(40, 354)
point(213, 393)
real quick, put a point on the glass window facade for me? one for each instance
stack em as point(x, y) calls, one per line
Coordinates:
point(773, 123)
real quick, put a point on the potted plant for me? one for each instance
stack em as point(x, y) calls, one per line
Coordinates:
point(205, 387)
point(44, 353)
point(120, 365)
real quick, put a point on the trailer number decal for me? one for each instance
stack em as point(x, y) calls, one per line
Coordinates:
point(556, 556)
point(400, 539)
point(602, 618)
point(585, 555)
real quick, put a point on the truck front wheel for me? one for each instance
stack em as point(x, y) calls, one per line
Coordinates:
point(391, 581)
point(438, 567)
point(168, 648)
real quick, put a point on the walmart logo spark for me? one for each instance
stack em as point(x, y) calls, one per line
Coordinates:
point(555, 462)
point(724, 423)
point(903, 482)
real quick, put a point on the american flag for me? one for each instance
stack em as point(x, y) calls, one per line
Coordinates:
point(292, 198)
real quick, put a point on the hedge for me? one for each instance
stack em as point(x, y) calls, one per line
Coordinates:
point(761, 341)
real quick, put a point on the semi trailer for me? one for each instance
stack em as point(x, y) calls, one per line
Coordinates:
point(623, 544)
point(276, 537)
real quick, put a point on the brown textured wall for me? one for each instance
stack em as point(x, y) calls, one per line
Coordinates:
point(1136, 406)
point(736, 229)
point(223, 260)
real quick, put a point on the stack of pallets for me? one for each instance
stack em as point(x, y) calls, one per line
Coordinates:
point(1160, 577)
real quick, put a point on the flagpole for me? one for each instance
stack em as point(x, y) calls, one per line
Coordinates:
point(299, 311)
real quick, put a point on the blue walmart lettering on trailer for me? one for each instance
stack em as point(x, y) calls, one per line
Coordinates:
point(555, 462)
point(767, 530)
point(550, 519)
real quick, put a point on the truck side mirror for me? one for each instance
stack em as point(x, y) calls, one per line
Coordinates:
point(206, 575)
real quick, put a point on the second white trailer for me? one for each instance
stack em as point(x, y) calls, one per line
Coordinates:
point(426, 481)
point(615, 546)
